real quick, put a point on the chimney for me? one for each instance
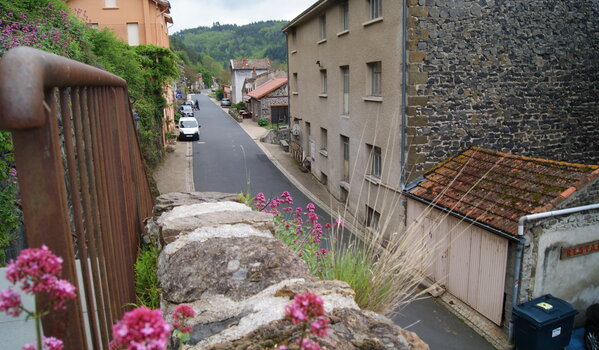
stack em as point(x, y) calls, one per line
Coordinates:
point(254, 73)
point(244, 63)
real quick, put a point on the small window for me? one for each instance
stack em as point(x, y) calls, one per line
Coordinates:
point(110, 3)
point(343, 194)
point(295, 83)
point(375, 161)
point(133, 34)
point(323, 27)
point(92, 26)
point(324, 179)
point(324, 142)
point(323, 81)
point(375, 8)
point(373, 219)
point(345, 148)
point(375, 69)
point(344, 12)
point(345, 94)
point(293, 37)
point(308, 131)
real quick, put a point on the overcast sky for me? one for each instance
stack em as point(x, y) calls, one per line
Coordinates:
point(194, 13)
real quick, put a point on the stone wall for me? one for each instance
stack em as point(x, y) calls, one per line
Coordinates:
point(509, 75)
point(589, 194)
point(220, 257)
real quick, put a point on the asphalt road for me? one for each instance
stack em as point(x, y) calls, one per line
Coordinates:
point(226, 159)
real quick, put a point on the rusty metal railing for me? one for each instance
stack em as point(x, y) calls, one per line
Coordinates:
point(82, 182)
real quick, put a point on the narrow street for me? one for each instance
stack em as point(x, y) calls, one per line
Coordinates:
point(226, 159)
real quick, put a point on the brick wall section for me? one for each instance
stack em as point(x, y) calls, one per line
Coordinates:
point(510, 75)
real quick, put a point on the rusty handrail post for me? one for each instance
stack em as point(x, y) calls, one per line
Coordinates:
point(81, 183)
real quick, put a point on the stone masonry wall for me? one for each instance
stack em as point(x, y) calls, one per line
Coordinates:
point(510, 75)
point(276, 98)
point(220, 257)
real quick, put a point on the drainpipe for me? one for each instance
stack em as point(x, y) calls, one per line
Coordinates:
point(520, 249)
point(404, 80)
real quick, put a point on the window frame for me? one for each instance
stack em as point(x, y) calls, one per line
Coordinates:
point(344, 16)
point(322, 20)
point(111, 4)
point(323, 81)
point(324, 139)
point(376, 161)
point(373, 219)
point(345, 153)
point(135, 41)
point(376, 78)
point(345, 87)
point(375, 9)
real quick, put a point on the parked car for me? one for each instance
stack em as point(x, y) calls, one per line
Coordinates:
point(188, 103)
point(189, 129)
point(186, 111)
point(225, 102)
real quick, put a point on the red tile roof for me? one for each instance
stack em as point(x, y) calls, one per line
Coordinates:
point(496, 188)
point(267, 87)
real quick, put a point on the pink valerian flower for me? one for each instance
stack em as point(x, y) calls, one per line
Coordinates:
point(304, 307)
point(338, 223)
point(180, 314)
point(307, 344)
point(320, 327)
point(49, 343)
point(141, 328)
point(35, 269)
point(61, 291)
point(260, 201)
point(10, 302)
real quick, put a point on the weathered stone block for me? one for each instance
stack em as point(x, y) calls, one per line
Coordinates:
point(418, 101)
point(417, 77)
point(417, 56)
point(418, 11)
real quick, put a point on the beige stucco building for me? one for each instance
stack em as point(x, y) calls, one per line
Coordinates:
point(345, 64)
point(137, 22)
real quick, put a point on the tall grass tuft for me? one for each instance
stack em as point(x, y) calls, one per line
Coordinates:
point(147, 288)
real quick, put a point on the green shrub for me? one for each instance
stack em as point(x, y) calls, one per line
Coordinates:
point(219, 93)
point(263, 122)
point(239, 106)
point(146, 279)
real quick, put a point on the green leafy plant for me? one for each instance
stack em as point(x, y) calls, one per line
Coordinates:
point(146, 280)
point(239, 106)
point(219, 93)
point(263, 122)
point(10, 213)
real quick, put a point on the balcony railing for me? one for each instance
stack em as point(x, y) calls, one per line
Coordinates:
point(82, 182)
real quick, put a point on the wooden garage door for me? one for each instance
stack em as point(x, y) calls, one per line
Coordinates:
point(469, 261)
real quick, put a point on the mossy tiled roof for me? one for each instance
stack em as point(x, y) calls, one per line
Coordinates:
point(496, 188)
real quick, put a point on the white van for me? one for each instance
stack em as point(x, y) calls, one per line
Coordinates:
point(189, 129)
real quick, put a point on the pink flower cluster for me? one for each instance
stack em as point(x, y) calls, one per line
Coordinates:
point(52, 31)
point(37, 270)
point(50, 343)
point(308, 308)
point(180, 314)
point(141, 328)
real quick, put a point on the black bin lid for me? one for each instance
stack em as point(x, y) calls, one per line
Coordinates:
point(544, 310)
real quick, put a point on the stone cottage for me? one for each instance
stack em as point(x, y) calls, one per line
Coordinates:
point(270, 101)
point(509, 228)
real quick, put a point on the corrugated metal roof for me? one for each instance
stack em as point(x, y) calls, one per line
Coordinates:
point(267, 87)
point(496, 188)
